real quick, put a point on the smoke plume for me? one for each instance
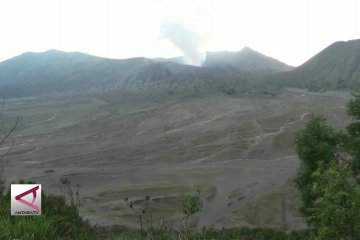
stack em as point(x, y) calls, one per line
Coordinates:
point(186, 40)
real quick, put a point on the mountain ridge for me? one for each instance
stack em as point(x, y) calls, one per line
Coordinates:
point(37, 74)
point(335, 67)
point(71, 73)
point(246, 59)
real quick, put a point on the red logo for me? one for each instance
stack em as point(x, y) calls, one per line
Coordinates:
point(30, 204)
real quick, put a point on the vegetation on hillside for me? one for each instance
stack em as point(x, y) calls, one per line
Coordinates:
point(59, 219)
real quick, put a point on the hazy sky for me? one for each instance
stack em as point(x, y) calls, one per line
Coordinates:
point(289, 30)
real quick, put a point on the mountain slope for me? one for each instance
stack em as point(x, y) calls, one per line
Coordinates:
point(170, 78)
point(33, 74)
point(60, 73)
point(54, 73)
point(336, 67)
point(246, 59)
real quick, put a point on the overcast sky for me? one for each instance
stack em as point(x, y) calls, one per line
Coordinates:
point(289, 30)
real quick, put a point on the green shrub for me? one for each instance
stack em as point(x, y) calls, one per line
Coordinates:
point(58, 221)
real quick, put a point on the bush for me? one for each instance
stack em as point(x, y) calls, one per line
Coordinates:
point(58, 221)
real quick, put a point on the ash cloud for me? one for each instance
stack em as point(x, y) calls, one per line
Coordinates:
point(186, 40)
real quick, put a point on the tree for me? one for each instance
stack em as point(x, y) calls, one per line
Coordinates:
point(353, 142)
point(328, 177)
point(336, 212)
point(192, 204)
point(7, 139)
point(315, 144)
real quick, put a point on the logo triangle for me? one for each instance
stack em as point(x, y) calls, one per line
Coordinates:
point(32, 205)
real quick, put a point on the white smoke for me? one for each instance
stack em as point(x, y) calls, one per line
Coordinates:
point(186, 40)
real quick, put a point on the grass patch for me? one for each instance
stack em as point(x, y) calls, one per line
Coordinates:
point(255, 153)
point(241, 143)
point(273, 124)
point(271, 209)
point(204, 138)
point(247, 130)
point(207, 191)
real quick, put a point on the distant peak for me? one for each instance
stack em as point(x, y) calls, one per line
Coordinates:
point(53, 51)
point(248, 50)
point(48, 52)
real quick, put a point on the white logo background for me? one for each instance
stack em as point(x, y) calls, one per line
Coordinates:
point(17, 206)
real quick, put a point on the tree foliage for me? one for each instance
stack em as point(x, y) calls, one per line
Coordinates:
point(336, 212)
point(315, 144)
point(328, 176)
point(353, 109)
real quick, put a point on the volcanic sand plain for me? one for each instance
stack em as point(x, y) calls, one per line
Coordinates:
point(238, 151)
